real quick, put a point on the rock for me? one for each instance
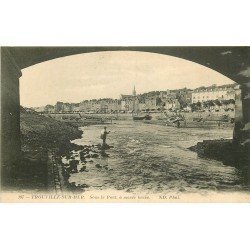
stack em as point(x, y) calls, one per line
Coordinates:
point(220, 150)
point(94, 155)
point(73, 165)
point(82, 157)
point(84, 186)
point(98, 165)
point(106, 146)
point(103, 154)
point(85, 151)
point(83, 168)
point(72, 186)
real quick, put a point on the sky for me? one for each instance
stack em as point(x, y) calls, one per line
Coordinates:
point(108, 75)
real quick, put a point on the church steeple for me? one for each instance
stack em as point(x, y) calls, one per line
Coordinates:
point(134, 92)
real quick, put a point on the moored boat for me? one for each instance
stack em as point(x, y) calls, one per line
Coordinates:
point(140, 118)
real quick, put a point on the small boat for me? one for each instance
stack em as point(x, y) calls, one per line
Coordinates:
point(140, 118)
point(174, 119)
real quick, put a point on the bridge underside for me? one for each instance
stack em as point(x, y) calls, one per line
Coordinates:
point(233, 62)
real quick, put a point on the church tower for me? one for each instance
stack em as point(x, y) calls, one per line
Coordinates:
point(134, 92)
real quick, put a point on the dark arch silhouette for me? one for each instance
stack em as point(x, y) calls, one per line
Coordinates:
point(232, 62)
point(229, 61)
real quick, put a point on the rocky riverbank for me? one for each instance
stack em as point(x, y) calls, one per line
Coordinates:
point(39, 135)
point(90, 160)
point(223, 150)
point(39, 132)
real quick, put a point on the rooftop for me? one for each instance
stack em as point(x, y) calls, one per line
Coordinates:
point(215, 88)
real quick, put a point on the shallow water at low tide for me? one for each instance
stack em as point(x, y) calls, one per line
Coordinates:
point(154, 159)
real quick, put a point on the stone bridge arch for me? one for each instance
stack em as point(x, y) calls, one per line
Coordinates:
point(233, 62)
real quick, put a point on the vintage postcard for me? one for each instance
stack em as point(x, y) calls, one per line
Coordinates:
point(125, 124)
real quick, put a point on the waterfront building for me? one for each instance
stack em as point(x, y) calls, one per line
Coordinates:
point(40, 109)
point(151, 104)
point(142, 106)
point(49, 109)
point(114, 106)
point(102, 106)
point(224, 92)
point(170, 100)
point(212, 98)
point(75, 107)
point(67, 107)
point(184, 97)
point(130, 103)
point(84, 106)
point(172, 104)
point(59, 107)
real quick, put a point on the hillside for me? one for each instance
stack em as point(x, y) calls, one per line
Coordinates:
point(42, 132)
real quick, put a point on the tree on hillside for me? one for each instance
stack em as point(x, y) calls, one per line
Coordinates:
point(198, 104)
point(211, 103)
point(193, 107)
point(206, 104)
point(225, 102)
point(48, 108)
point(217, 102)
point(158, 101)
point(231, 101)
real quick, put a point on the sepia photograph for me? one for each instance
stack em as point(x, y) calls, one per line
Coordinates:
point(125, 124)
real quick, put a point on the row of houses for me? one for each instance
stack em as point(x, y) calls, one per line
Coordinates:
point(100, 106)
point(181, 99)
point(157, 100)
point(224, 92)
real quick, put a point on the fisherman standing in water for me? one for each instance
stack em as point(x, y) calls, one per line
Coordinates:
point(104, 133)
point(178, 123)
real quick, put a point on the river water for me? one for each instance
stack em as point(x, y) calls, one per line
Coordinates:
point(154, 159)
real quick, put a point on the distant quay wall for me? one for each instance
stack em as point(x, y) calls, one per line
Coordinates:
point(129, 116)
point(210, 119)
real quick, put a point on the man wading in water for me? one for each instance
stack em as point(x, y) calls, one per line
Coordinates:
point(104, 133)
